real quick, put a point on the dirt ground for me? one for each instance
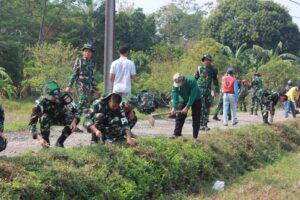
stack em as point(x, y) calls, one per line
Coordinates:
point(21, 142)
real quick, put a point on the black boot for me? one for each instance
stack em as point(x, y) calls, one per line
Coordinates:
point(255, 112)
point(60, 141)
point(215, 117)
point(251, 113)
point(95, 139)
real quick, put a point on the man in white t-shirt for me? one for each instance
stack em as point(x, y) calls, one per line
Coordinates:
point(122, 71)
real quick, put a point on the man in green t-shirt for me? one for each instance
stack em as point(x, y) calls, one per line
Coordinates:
point(186, 95)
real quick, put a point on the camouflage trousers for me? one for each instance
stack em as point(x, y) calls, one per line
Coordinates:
point(111, 132)
point(132, 121)
point(206, 102)
point(266, 109)
point(242, 103)
point(85, 99)
point(254, 103)
point(46, 121)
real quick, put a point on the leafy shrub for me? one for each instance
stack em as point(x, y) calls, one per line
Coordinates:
point(155, 169)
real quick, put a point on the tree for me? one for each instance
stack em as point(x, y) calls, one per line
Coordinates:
point(48, 62)
point(277, 72)
point(135, 30)
point(6, 87)
point(263, 23)
point(179, 20)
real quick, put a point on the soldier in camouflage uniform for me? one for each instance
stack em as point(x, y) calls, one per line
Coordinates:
point(219, 109)
point(205, 75)
point(3, 141)
point(53, 108)
point(256, 85)
point(107, 121)
point(128, 104)
point(243, 93)
point(83, 77)
point(268, 100)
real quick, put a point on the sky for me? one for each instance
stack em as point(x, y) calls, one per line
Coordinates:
point(150, 6)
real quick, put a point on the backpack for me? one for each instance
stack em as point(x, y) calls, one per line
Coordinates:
point(147, 102)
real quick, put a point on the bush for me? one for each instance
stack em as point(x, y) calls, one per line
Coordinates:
point(154, 169)
point(48, 62)
point(277, 72)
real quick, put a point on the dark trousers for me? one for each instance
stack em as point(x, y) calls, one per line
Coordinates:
point(180, 119)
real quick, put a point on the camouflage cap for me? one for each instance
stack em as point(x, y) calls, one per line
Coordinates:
point(88, 46)
point(106, 96)
point(207, 56)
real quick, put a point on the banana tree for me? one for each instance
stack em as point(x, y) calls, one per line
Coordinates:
point(6, 87)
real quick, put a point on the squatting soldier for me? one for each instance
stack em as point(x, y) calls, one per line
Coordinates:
point(256, 85)
point(83, 77)
point(185, 95)
point(128, 104)
point(205, 75)
point(53, 108)
point(243, 93)
point(107, 121)
point(268, 101)
point(3, 141)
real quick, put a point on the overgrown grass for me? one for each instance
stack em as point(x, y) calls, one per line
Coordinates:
point(155, 169)
point(278, 181)
point(17, 114)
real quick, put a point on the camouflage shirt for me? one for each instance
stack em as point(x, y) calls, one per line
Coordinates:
point(267, 97)
point(243, 90)
point(114, 120)
point(1, 119)
point(83, 74)
point(205, 76)
point(256, 84)
point(55, 110)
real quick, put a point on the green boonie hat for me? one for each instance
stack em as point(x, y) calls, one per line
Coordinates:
point(51, 88)
point(131, 100)
point(207, 56)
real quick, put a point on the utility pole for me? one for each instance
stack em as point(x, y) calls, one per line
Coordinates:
point(109, 41)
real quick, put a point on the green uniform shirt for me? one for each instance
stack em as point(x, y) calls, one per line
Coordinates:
point(205, 76)
point(267, 97)
point(83, 74)
point(188, 93)
point(256, 84)
point(55, 110)
point(114, 119)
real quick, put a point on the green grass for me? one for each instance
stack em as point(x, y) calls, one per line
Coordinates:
point(155, 169)
point(17, 114)
point(278, 181)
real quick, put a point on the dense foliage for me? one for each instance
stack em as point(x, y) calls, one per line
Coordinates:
point(243, 34)
point(264, 23)
point(154, 169)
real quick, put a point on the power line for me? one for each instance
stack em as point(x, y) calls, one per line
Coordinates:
point(295, 2)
